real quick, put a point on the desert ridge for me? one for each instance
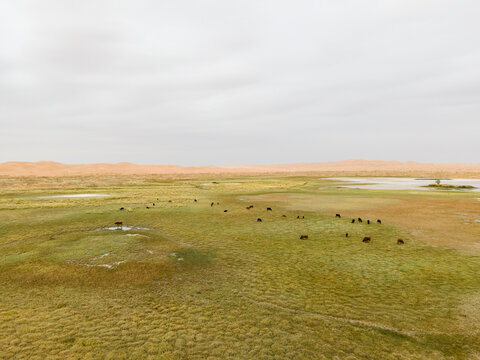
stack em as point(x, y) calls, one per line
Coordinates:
point(346, 167)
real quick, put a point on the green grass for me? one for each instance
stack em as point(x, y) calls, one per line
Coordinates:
point(194, 282)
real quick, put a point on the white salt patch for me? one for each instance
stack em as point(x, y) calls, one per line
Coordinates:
point(137, 235)
point(72, 196)
point(180, 259)
point(108, 266)
point(184, 243)
point(100, 257)
point(124, 228)
point(150, 251)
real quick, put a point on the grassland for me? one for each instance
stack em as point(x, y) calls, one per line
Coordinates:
point(190, 281)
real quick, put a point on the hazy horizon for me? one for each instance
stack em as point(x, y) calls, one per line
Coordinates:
point(227, 83)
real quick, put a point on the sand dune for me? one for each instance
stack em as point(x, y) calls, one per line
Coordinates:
point(347, 168)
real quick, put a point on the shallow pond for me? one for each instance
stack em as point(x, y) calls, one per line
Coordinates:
point(384, 183)
point(72, 196)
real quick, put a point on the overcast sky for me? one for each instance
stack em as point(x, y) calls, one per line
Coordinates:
point(221, 82)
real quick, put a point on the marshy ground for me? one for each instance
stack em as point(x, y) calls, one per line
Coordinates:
point(186, 280)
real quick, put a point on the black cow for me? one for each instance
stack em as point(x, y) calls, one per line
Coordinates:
point(337, 216)
point(122, 208)
point(359, 220)
point(346, 235)
point(259, 220)
point(368, 222)
point(400, 242)
point(269, 209)
point(195, 200)
point(379, 221)
point(303, 236)
point(148, 207)
point(353, 220)
point(366, 239)
point(225, 210)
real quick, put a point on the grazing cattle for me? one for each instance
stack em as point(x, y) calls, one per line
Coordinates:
point(400, 242)
point(368, 222)
point(303, 217)
point(379, 221)
point(218, 203)
point(119, 224)
point(269, 209)
point(346, 235)
point(195, 200)
point(337, 216)
point(249, 207)
point(284, 215)
point(366, 239)
point(353, 220)
point(153, 204)
point(259, 220)
point(225, 210)
point(303, 236)
point(169, 200)
point(359, 220)
point(122, 208)
point(211, 204)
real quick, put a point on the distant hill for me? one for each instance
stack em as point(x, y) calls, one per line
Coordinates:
point(345, 168)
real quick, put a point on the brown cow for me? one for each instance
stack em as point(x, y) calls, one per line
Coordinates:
point(400, 242)
point(119, 225)
point(303, 236)
point(284, 215)
point(211, 204)
point(366, 239)
point(346, 235)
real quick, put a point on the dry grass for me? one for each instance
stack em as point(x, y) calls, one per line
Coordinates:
point(201, 283)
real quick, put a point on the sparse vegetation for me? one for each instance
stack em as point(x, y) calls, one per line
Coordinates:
point(450, 187)
point(243, 289)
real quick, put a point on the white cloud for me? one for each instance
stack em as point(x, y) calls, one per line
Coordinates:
point(220, 82)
